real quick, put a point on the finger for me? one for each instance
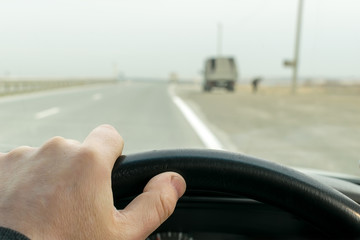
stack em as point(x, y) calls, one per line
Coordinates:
point(105, 141)
point(19, 153)
point(55, 146)
point(151, 208)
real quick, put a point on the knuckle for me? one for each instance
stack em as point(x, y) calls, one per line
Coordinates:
point(57, 143)
point(108, 126)
point(114, 133)
point(54, 142)
point(19, 152)
point(57, 150)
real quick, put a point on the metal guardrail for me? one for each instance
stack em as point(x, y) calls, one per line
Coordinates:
point(15, 86)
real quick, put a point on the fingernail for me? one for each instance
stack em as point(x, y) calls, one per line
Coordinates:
point(179, 184)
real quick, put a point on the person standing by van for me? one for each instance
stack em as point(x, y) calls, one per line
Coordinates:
point(255, 83)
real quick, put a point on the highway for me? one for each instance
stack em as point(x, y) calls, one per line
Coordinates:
point(143, 113)
point(310, 130)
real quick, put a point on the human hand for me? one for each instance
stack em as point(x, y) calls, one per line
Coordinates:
point(62, 190)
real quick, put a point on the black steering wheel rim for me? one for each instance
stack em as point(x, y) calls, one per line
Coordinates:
point(233, 173)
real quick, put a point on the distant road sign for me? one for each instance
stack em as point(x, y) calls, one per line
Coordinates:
point(289, 63)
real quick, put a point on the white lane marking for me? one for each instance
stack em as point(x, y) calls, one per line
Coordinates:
point(204, 133)
point(47, 113)
point(97, 96)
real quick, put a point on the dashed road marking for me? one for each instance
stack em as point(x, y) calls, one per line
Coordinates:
point(47, 113)
point(97, 96)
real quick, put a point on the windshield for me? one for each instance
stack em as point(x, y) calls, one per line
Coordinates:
point(279, 80)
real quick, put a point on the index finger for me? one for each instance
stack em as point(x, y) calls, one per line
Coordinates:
point(106, 142)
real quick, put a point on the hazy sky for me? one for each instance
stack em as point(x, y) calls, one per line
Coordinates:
point(153, 38)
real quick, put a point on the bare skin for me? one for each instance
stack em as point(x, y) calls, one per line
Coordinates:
point(62, 190)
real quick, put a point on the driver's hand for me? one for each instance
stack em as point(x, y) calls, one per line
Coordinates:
point(62, 190)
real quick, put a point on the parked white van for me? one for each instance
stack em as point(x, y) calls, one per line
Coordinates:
point(220, 72)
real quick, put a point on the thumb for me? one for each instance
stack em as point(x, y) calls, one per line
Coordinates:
point(151, 208)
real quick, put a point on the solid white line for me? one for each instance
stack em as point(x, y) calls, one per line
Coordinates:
point(47, 113)
point(204, 133)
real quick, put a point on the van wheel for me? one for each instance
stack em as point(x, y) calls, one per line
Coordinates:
point(207, 88)
point(230, 87)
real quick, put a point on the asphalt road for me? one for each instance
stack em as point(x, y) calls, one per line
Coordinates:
point(310, 130)
point(143, 113)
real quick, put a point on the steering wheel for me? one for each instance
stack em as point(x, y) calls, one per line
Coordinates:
point(212, 170)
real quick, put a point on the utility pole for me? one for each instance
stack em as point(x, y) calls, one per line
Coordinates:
point(219, 39)
point(295, 62)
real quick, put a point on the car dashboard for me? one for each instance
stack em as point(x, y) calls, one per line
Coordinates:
point(231, 218)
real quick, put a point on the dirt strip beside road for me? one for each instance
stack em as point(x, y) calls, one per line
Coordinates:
point(316, 128)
